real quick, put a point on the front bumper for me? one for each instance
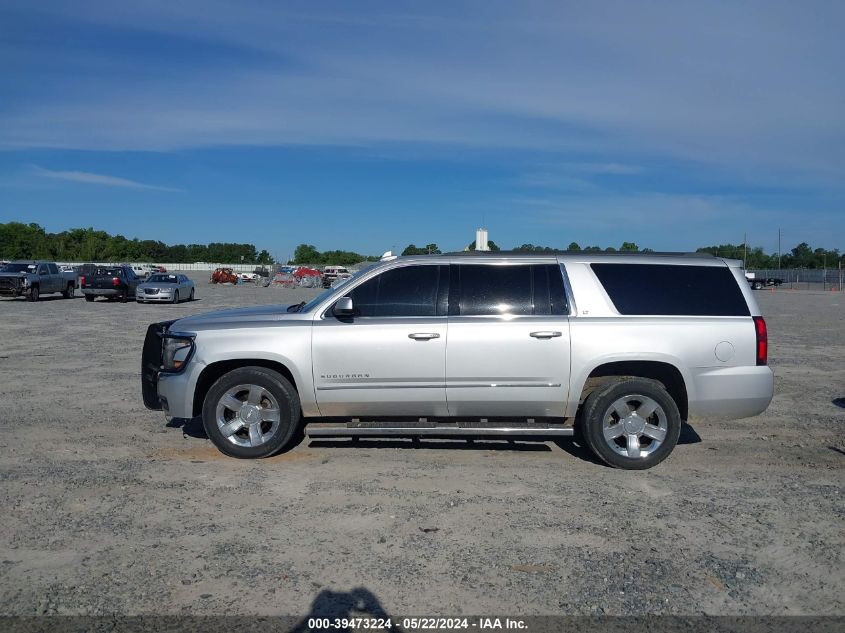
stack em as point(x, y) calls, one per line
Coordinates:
point(170, 392)
point(161, 297)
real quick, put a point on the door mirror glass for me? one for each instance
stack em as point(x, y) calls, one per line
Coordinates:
point(343, 307)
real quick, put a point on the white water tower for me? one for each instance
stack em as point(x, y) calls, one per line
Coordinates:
point(481, 240)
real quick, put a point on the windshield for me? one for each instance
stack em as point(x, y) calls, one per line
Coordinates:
point(18, 268)
point(162, 279)
point(325, 294)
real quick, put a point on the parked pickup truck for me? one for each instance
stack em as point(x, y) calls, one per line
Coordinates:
point(618, 350)
point(31, 279)
point(112, 282)
point(762, 282)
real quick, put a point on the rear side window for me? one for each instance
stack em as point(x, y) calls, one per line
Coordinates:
point(660, 289)
point(521, 290)
point(408, 291)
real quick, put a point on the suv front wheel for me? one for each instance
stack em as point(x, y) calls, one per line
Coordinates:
point(632, 424)
point(251, 412)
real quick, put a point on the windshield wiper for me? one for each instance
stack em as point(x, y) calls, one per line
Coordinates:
point(297, 307)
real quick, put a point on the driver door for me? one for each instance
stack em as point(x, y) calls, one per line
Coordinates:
point(389, 357)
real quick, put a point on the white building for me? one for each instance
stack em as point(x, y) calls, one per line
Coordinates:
point(481, 240)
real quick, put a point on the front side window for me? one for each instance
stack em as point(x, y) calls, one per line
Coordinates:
point(409, 291)
point(42, 270)
point(53, 269)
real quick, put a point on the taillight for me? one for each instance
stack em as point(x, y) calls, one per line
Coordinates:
point(115, 281)
point(82, 280)
point(762, 340)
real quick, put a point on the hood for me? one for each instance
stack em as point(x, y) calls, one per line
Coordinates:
point(20, 274)
point(158, 284)
point(236, 318)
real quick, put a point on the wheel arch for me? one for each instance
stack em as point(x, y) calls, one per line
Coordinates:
point(215, 370)
point(661, 371)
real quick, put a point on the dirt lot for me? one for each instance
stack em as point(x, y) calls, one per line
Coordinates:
point(107, 510)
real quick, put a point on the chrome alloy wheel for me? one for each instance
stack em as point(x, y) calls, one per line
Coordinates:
point(634, 426)
point(248, 415)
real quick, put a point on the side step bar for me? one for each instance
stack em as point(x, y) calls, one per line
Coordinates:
point(385, 429)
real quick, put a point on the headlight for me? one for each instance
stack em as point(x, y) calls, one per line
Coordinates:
point(176, 351)
point(24, 281)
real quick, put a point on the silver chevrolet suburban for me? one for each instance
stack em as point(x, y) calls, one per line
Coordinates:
point(618, 350)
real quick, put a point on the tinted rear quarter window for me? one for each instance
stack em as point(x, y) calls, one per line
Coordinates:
point(662, 289)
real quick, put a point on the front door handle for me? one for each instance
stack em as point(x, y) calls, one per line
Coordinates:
point(545, 334)
point(423, 336)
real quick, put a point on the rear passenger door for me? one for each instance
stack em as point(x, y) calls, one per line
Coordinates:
point(508, 348)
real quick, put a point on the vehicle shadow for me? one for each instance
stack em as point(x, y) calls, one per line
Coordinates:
point(461, 444)
point(839, 402)
point(191, 427)
point(345, 605)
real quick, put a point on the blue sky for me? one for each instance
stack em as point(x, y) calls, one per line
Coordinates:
point(370, 125)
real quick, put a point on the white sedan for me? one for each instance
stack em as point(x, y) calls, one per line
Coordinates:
point(165, 288)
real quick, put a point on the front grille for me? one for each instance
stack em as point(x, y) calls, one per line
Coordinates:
point(9, 283)
point(151, 364)
point(150, 291)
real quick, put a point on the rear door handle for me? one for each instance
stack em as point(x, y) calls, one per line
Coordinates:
point(423, 336)
point(545, 334)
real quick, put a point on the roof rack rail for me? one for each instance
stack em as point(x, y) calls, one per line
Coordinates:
point(565, 252)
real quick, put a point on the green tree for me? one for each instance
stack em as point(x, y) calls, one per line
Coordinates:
point(573, 246)
point(491, 245)
point(306, 254)
point(629, 247)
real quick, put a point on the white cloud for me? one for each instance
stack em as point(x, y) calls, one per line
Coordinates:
point(752, 88)
point(97, 179)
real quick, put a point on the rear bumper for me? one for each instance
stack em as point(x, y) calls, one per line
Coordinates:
point(102, 292)
point(731, 392)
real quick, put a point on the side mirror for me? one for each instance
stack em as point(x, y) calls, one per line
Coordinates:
point(343, 307)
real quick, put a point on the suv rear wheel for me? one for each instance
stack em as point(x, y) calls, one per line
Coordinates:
point(251, 412)
point(632, 424)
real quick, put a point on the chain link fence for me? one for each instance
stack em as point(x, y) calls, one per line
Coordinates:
point(804, 278)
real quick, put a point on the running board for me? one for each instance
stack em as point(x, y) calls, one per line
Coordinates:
point(385, 429)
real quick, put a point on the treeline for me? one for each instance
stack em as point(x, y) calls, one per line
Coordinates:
point(802, 256)
point(308, 254)
point(31, 241)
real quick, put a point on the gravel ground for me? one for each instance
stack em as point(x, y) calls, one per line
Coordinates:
point(108, 510)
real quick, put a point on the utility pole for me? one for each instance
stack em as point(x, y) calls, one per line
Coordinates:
point(778, 249)
point(745, 250)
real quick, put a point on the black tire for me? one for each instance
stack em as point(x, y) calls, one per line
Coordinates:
point(597, 408)
point(176, 296)
point(34, 294)
point(69, 291)
point(289, 410)
point(757, 285)
point(90, 297)
point(191, 297)
point(123, 297)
